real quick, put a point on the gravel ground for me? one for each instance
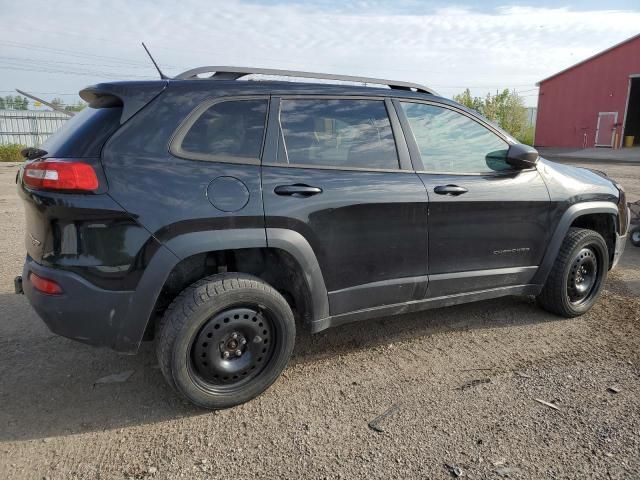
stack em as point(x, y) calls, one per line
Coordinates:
point(453, 390)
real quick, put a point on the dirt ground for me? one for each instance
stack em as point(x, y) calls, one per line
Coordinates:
point(457, 388)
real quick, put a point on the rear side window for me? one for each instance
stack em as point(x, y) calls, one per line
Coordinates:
point(338, 133)
point(230, 130)
point(454, 143)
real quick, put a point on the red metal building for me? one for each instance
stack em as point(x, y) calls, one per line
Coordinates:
point(593, 103)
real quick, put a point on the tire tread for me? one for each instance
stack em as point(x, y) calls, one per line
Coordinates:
point(188, 301)
point(551, 298)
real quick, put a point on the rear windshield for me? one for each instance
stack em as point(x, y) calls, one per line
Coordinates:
point(84, 134)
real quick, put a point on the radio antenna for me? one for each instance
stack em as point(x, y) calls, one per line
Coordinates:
point(44, 102)
point(162, 75)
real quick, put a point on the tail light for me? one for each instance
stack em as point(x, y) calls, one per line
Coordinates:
point(44, 285)
point(54, 174)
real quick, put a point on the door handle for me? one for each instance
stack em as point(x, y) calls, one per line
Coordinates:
point(297, 190)
point(454, 190)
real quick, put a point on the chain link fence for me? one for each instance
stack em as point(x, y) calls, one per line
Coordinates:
point(29, 127)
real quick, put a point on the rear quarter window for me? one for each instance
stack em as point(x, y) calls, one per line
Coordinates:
point(84, 135)
point(227, 130)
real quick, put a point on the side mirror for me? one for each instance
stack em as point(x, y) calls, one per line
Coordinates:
point(522, 156)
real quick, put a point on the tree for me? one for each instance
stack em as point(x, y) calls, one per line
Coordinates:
point(76, 107)
point(22, 103)
point(505, 108)
point(465, 98)
point(8, 102)
point(14, 103)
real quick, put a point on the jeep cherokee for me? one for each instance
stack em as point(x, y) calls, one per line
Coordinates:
point(215, 214)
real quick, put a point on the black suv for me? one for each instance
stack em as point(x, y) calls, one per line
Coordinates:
point(215, 214)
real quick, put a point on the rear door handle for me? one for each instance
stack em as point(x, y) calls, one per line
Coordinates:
point(297, 190)
point(454, 190)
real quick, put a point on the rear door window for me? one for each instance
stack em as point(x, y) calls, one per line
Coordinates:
point(340, 133)
point(231, 130)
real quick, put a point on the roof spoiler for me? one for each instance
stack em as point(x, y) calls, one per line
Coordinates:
point(128, 95)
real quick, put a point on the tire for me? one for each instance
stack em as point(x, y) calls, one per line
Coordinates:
point(635, 236)
point(573, 286)
point(225, 339)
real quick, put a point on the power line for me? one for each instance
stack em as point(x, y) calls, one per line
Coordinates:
point(39, 93)
point(85, 73)
point(42, 61)
point(61, 51)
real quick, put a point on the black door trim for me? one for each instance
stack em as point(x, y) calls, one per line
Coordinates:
point(420, 305)
point(460, 282)
point(384, 292)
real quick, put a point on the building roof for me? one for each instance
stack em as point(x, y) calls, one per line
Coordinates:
point(599, 54)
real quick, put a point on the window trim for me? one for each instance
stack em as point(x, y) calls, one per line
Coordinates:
point(175, 143)
point(416, 156)
point(402, 149)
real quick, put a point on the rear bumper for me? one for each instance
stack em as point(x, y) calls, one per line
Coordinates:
point(108, 318)
point(83, 312)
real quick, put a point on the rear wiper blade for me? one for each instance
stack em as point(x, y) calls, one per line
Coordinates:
point(30, 153)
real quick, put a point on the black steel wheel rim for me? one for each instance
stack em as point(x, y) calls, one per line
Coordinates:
point(232, 348)
point(583, 279)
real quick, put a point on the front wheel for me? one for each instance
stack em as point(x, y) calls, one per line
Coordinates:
point(225, 339)
point(635, 236)
point(578, 275)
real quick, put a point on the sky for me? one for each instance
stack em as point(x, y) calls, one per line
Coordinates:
point(54, 49)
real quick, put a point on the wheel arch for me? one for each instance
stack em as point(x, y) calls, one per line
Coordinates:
point(598, 216)
point(286, 262)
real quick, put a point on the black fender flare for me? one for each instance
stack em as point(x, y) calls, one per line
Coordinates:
point(296, 245)
point(568, 217)
point(174, 250)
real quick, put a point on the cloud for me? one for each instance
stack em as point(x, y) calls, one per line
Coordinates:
point(449, 48)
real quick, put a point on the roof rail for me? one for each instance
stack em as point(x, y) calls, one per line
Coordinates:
point(233, 73)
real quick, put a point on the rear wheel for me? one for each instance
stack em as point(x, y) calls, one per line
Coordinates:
point(578, 275)
point(225, 339)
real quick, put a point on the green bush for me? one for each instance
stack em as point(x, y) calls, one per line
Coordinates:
point(504, 108)
point(527, 135)
point(11, 153)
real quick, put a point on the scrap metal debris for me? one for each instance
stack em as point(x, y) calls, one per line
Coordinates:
point(454, 470)
point(508, 471)
point(116, 377)
point(473, 383)
point(375, 424)
point(613, 389)
point(550, 405)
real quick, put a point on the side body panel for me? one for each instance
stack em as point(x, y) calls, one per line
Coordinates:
point(494, 235)
point(167, 194)
point(368, 231)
